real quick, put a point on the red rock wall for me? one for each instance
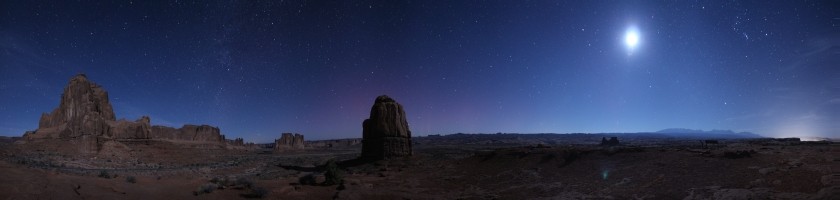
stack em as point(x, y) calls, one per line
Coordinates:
point(289, 141)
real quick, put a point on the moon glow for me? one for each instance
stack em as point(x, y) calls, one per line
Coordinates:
point(632, 39)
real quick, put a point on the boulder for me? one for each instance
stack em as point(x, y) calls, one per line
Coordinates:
point(289, 141)
point(385, 133)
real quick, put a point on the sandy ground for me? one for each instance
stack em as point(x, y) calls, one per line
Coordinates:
point(771, 171)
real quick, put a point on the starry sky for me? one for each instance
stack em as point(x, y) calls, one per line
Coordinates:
point(259, 68)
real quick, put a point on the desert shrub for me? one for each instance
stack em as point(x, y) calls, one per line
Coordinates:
point(206, 188)
point(104, 174)
point(226, 182)
point(737, 154)
point(332, 174)
point(244, 182)
point(256, 192)
point(222, 182)
point(130, 179)
point(309, 179)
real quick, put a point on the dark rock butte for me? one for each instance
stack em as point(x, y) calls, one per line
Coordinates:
point(385, 132)
point(289, 141)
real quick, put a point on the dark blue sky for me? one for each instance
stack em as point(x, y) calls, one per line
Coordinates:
point(257, 69)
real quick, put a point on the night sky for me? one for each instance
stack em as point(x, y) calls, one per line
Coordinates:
point(257, 69)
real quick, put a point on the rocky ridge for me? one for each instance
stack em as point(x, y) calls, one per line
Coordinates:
point(86, 115)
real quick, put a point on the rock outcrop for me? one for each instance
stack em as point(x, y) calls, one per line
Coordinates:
point(197, 133)
point(203, 133)
point(84, 110)
point(122, 129)
point(85, 114)
point(337, 143)
point(385, 133)
point(289, 141)
point(236, 142)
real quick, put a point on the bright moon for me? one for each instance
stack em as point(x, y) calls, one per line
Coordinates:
point(631, 39)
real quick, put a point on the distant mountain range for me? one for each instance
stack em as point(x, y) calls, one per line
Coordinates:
point(721, 134)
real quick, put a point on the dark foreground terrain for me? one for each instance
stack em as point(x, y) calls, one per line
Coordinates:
point(460, 166)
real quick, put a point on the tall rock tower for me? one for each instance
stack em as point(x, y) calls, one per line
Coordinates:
point(84, 110)
point(385, 132)
point(83, 115)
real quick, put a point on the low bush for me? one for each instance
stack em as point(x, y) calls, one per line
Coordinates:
point(332, 174)
point(130, 179)
point(244, 182)
point(309, 179)
point(256, 192)
point(222, 182)
point(206, 188)
point(104, 174)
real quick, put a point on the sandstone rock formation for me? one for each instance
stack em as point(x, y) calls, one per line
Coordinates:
point(122, 129)
point(237, 142)
point(84, 110)
point(289, 141)
point(86, 116)
point(202, 133)
point(336, 143)
point(385, 133)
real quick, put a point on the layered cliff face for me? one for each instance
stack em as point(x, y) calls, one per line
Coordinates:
point(202, 133)
point(289, 141)
point(122, 129)
point(84, 110)
point(386, 134)
point(86, 115)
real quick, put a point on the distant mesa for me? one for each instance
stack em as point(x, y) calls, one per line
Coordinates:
point(86, 115)
point(334, 143)
point(717, 134)
point(385, 132)
point(237, 141)
point(289, 142)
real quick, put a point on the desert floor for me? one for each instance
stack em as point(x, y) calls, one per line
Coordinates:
point(448, 170)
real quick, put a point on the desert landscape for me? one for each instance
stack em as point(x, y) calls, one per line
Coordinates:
point(80, 151)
